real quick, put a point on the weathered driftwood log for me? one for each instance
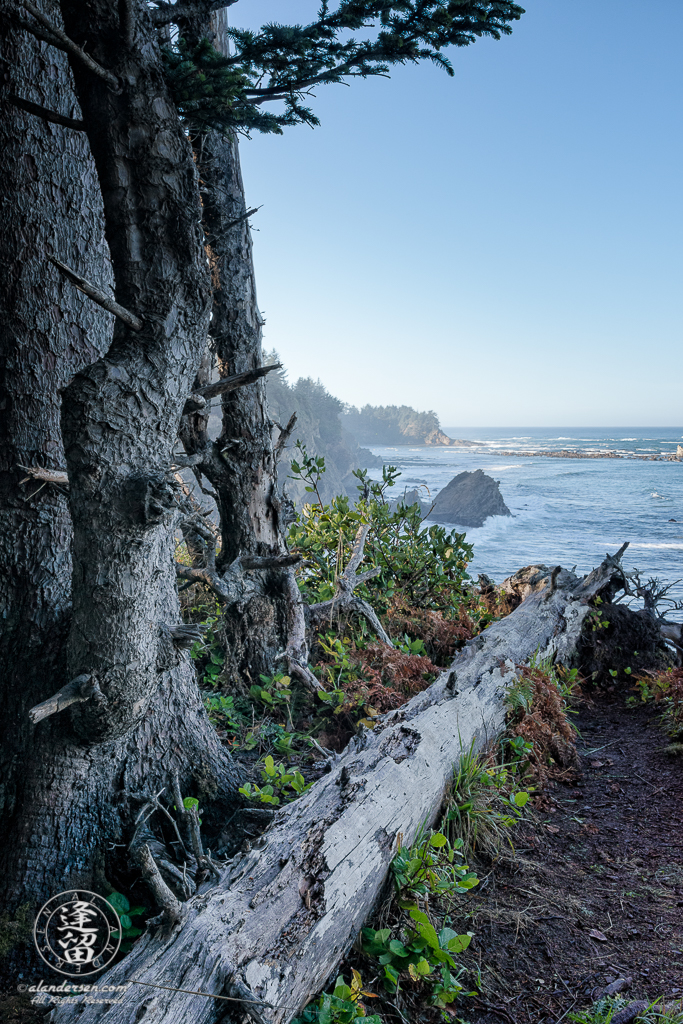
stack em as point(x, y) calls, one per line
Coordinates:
point(284, 913)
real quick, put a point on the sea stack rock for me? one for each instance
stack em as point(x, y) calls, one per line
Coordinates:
point(468, 500)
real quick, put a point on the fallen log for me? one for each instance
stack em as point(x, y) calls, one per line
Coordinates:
point(271, 932)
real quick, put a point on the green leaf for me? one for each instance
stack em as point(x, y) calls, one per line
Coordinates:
point(521, 799)
point(438, 839)
point(460, 942)
point(119, 902)
point(428, 933)
point(125, 921)
point(189, 802)
point(397, 947)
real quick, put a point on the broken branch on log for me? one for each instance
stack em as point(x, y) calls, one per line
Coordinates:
point(335, 844)
point(190, 819)
point(98, 296)
point(222, 387)
point(79, 689)
point(63, 42)
point(210, 579)
point(156, 803)
point(47, 115)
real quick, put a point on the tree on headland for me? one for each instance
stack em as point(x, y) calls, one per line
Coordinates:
point(114, 124)
point(393, 424)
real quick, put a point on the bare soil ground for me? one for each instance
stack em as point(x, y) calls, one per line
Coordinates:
point(594, 889)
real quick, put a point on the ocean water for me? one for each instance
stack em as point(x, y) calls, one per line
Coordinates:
point(569, 511)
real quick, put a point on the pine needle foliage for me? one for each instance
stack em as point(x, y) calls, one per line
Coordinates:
point(358, 39)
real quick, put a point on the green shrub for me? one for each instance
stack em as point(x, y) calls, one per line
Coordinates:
point(342, 1006)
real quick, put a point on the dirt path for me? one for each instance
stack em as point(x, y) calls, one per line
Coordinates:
point(594, 891)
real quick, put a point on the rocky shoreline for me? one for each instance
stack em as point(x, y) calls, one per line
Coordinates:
point(563, 453)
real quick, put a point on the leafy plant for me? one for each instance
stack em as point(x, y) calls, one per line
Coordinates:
point(279, 781)
point(275, 692)
point(422, 952)
point(539, 704)
point(222, 712)
point(208, 653)
point(665, 689)
point(409, 646)
point(341, 1006)
point(310, 469)
point(429, 868)
point(428, 566)
point(129, 931)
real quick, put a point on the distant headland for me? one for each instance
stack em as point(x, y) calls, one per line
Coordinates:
point(397, 424)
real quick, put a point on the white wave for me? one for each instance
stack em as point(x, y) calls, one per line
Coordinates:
point(676, 547)
point(635, 439)
point(499, 469)
point(662, 496)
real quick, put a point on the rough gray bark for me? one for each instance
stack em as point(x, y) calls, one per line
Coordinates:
point(66, 794)
point(120, 416)
point(284, 914)
point(49, 202)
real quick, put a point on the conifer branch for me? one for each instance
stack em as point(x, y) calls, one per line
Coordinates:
point(98, 296)
point(63, 42)
point(47, 115)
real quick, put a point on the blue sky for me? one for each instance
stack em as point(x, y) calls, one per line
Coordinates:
point(504, 246)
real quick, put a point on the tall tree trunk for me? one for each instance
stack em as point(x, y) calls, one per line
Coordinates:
point(241, 464)
point(69, 781)
point(50, 205)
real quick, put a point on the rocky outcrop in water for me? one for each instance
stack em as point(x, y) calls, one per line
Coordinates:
point(468, 500)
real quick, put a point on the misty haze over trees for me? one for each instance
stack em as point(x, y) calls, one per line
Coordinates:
point(393, 424)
